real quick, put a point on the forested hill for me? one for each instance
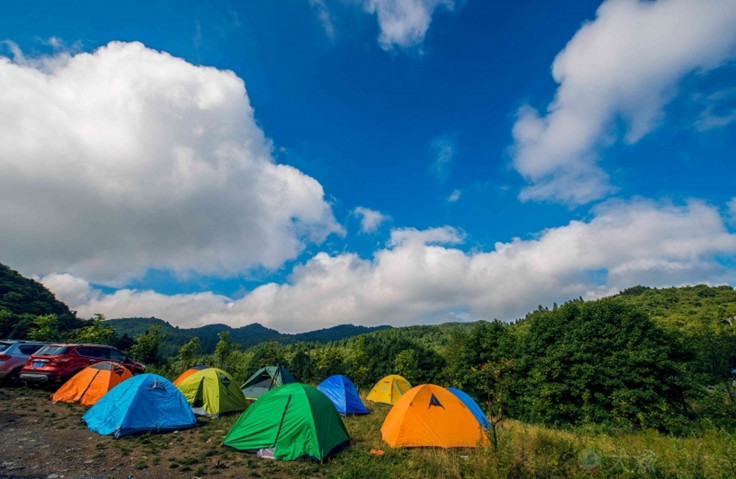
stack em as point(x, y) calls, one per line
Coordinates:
point(684, 307)
point(22, 300)
point(245, 336)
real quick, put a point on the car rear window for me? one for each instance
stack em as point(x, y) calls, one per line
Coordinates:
point(4, 346)
point(53, 350)
point(29, 348)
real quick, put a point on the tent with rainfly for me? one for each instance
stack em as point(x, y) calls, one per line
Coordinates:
point(389, 389)
point(341, 391)
point(264, 380)
point(91, 383)
point(431, 416)
point(143, 403)
point(291, 421)
point(212, 392)
point(189, 372)
point(472, 406)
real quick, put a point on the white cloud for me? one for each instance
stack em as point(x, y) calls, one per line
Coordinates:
point(443, 149)
point(444, 235)
point(719, 111)
point(420, 277)
point(623, 65)
point(324, 16)
point(127, 158)
point(454, 196)
point(404, 23)
point(731, 214)
point(370, 220)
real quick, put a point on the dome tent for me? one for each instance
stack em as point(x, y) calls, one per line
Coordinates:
point(290, 421)
point(91, 383)
point(212, 392)
point(264, 380)
point(431, 416)
point(472, 406)
point(189, 372)
point(341, 391)
point(144, 403)
point(389, 389)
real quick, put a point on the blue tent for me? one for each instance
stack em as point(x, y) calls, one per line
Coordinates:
point(473, 406)
point(144, 403)
point(343, 395)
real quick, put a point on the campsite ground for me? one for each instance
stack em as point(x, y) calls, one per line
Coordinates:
point(40, 439)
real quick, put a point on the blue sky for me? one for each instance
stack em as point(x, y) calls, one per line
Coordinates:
point(303, 164)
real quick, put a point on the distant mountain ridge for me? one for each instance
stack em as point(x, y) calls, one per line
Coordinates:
point(245, 336)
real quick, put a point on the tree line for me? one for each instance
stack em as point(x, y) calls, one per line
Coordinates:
point(646, 358)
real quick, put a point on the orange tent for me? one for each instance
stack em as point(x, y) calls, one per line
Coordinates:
point(189, 372)
point(389, 389)
point(91, 383)
point(431, 416)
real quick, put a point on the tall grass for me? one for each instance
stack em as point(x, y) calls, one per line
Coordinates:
point(530, 451)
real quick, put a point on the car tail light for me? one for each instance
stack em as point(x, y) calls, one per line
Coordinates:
point(4, 357)
point(60, 360)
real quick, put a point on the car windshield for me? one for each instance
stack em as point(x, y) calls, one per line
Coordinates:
point(4, 346)
point(52, 350)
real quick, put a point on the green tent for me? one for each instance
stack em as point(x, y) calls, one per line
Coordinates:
point(289, 422)
point(264, 380)
point(212, 392)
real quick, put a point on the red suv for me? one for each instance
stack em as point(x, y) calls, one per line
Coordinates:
point(59, 362)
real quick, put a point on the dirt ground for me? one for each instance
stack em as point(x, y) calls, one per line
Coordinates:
point(42, 439)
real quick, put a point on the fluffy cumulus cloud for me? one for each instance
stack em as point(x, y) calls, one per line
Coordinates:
point(422, 276)
point(128, 158)
point(370, 220)
point(624, 65)
point(404, 23)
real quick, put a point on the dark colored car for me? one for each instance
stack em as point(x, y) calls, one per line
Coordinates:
point(59, 362)
point(13, 356)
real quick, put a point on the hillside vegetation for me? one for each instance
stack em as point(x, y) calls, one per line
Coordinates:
point(22, 300)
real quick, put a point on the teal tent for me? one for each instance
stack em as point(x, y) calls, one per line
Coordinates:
point(143, 403)
point(264, 380)
point(289, 422)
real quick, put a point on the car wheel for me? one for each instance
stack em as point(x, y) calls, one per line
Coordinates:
point(13, 379)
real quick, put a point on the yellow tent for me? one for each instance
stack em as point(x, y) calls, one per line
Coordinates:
point(91, 383)
point(431, 416)
point(389, 389)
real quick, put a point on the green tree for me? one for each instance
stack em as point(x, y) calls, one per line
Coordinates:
point(495, 378)
point(189, 353)
point(328, 360)
point(301, 366)
point(360, 363)
point(45, 328)
point(146, 347)
point(223, 350)
point(268, 354)
point(94, 332)
point(600, 362)
point(406, 364)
